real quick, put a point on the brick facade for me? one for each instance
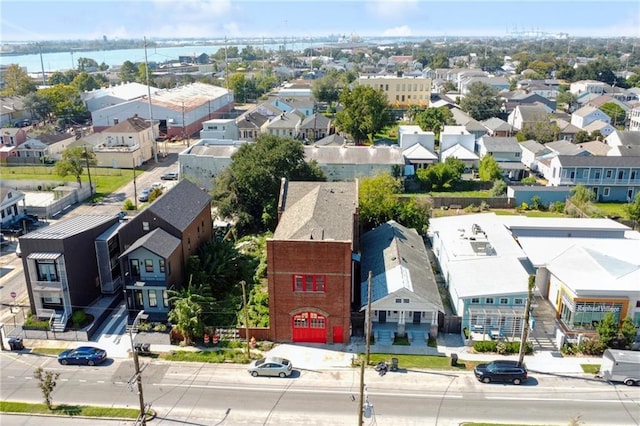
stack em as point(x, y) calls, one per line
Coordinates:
point(331, 259)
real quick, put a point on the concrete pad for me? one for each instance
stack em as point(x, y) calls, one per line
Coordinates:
point(310, 358)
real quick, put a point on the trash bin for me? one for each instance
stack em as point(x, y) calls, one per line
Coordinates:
point(15, 344)
point(454, 360)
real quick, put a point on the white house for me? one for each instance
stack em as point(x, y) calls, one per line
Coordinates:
point(587, 115)
point(587, 86)
point(128, 144)
point(405, 297)
point(10, 207)
point(456, 135)
point(410, 135)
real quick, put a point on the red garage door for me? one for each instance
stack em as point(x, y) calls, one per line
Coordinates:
point(309, 327)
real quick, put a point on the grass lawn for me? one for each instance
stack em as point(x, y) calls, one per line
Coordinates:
point(478, 194)
point(236, 356)
point(612, 209)
point(422, 361)
point(68, 410)
point(590, 368)
point(105, 180)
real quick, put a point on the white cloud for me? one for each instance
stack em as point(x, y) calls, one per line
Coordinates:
point(402, 31)
point(391, 9)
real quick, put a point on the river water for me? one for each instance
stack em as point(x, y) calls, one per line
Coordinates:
point(62, 61)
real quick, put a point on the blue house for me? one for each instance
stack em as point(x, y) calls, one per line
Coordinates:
point(611, 178)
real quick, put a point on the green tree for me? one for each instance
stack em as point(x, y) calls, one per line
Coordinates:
point(633, 209)
point(488, 169)
point(248, 189)
point(365, 112)
point(540, 131)
point(128, 72)
point(499, 188)
point(16, 82)
point(85, 63)
point(327, 88)
point(567, 99)
point(37, 105)
point(238, 85)
point(73, 162)
point(377, 199)
point(46, 383)
point(581, 196)
point(615, 112)
point(413, 213)
point(85, 82)
point(627, 331)
point(189, 304)
point(441, 176)
point(64, 101)
point(581, 137)
point(607, 328)
point(433, 119)
point(481, 102)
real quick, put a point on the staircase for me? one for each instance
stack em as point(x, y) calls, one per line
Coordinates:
point(544, 334)
point(384, 337)
point(59, 322)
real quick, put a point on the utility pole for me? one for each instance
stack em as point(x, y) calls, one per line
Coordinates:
point(44, 79)
point(138, 376)
point(527, 312)
point(246, 316)
point(135, 191)
point(85, 154)
point(153, 129)
point(367, 334)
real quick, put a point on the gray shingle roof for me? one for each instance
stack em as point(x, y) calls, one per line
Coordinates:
point(501, 144)
point(629, 138)
point(157, 241)
point(532, 146)
point(181, 204)
point(317, 211)
point(598, 161)
point(69, 227)
point(391, 246)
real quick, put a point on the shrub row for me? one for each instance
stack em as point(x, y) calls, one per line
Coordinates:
point(502, 348)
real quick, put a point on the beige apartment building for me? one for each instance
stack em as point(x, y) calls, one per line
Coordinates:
point(401, 91)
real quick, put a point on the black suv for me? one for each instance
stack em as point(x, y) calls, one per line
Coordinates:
point(501, 371)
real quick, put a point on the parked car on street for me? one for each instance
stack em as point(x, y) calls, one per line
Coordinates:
point(501, 371)
point(144, 194)
point(88, 355)
point(158, 185)
point(170, 176)
point(271, 366)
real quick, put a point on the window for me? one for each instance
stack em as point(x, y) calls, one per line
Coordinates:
point(398, 300)
point(47, 270)
point(475, 300)
point(518, 301)
point(504, 301)
point(165, 299)
point(162, 265)
point(605, 192)
point(145, 226)
point(489, 300)
point(517, 154)
point(609, 173)
point(405, 300)
point(309, 283)
point(153, 298)
point(585, 174)
point(148, 265)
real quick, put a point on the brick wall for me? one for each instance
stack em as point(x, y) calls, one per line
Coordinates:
point(329, 258)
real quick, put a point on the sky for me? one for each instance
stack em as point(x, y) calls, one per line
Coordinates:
point(29, 20)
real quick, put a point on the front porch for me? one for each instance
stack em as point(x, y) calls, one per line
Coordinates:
point(386, 334)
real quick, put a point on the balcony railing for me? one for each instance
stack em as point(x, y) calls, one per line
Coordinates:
point(600, 181)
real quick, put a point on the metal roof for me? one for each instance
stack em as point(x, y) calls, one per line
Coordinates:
point(69, 227)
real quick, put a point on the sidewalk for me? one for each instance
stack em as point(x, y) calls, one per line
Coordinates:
point(328, 357)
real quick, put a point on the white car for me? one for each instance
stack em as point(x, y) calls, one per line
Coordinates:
point(271, 366)
point(158, 185)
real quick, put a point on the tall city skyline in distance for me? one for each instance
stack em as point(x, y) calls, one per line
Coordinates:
point(29, 20)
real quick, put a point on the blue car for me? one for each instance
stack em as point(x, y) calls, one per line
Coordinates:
point(83, 355)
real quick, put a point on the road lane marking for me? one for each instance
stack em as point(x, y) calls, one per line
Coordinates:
point(513, 398)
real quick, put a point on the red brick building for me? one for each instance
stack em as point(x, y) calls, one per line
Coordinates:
point(310, 262)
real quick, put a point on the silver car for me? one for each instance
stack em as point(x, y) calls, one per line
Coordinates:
point(271, 366)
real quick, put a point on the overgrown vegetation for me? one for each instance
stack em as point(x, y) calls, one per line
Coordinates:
point(503, 348)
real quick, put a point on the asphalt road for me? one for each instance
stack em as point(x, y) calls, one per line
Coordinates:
point(223, 394)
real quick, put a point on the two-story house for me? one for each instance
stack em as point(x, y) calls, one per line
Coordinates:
point(128, 144)
point(10, 207)
point(310, 262)
point(506, 151)
point(528, 115)
point(157, 243)
point(10, 139)
point(587, 115)
point(611, 178)
point(60, 267)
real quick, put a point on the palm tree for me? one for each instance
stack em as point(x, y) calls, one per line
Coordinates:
point(189, 305)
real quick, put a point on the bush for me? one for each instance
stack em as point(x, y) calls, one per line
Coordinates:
point(592, 347)
point(160, 327)
point(145, 326)
point(485, 346)
point(528, 180)
point(501, 348)
point(79, 319)
point(31, 322)
point(128, 205)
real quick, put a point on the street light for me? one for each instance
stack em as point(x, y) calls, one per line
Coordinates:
point(136, 364)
